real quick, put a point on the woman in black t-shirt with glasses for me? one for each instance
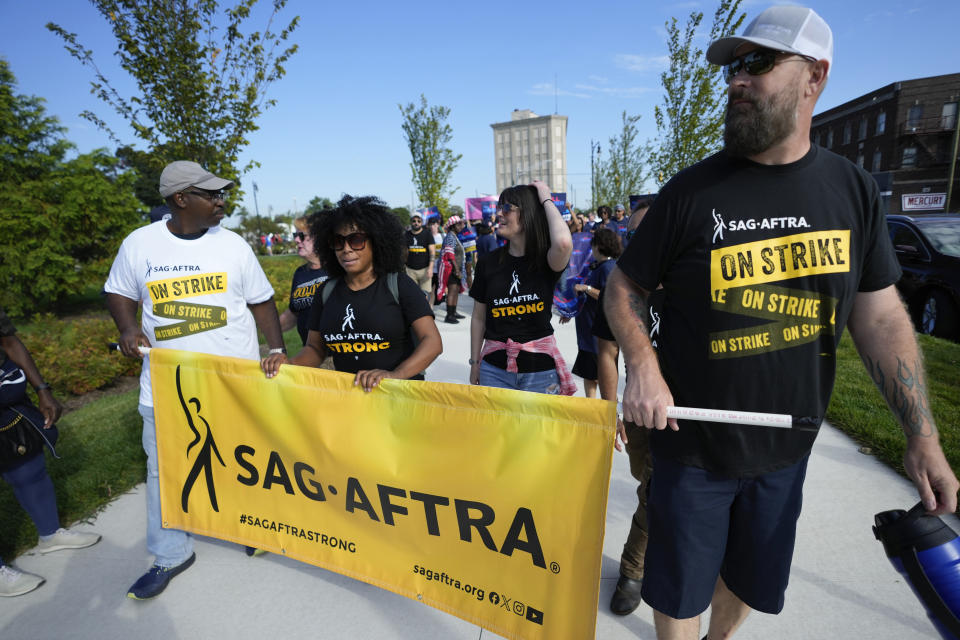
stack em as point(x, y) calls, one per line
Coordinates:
point(511, 338)
point(365, 322)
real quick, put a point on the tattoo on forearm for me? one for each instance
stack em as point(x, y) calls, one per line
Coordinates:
point(639, 308)
point(906, 394)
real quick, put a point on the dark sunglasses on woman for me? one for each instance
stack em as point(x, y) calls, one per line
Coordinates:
point(356, 240)
point(299, 235)
point(758, 62)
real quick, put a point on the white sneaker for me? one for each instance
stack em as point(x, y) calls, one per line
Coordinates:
point(64, 539)
point(14, 582)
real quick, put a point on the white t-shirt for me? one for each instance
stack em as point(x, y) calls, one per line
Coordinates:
point(194, 292)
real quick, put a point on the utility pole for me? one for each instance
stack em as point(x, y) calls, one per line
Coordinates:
point(953, 159)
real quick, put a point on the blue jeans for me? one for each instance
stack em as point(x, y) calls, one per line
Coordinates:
point(170, 546)
point(538, 381)
point(34, 491)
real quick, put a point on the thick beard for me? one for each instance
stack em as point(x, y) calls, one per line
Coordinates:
point(749, 131)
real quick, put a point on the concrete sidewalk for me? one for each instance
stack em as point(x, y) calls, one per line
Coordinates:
point(842, 585)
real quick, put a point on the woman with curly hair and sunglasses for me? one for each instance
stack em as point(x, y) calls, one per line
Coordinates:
point(511, 339)
point(370, 315)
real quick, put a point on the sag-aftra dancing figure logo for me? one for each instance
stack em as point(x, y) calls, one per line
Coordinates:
point(204, 460)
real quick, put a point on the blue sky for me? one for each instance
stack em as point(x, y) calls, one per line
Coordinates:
point(336, 127)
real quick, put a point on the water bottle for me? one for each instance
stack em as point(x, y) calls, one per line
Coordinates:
point(926, 551)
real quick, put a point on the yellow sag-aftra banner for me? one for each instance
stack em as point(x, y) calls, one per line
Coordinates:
point(486, 503)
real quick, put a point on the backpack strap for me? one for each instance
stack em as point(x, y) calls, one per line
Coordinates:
point(328, 288)
point(393, 285)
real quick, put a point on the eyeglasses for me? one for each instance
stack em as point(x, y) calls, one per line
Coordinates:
point(506, 207)
point(356, 240)
point(299, 235)
point(758, 62)
point(209, 195)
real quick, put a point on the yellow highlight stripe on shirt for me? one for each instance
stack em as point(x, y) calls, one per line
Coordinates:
point(777, 259)
point(187, 287)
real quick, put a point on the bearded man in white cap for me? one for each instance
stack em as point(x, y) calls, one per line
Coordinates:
point(181, 269)
point(766, 251)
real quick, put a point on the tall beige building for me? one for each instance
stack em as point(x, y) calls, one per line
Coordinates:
point(531, 147)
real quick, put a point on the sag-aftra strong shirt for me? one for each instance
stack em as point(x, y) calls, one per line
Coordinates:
point(368, 329)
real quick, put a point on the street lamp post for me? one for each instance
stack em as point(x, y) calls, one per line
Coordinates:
point(256, 206)
point(593, 173)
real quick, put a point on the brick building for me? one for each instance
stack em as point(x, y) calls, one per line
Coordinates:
point(904, 134)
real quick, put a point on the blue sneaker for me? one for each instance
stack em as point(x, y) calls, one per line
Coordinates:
point(153, 582)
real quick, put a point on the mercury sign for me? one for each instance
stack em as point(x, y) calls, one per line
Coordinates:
point(923, 201)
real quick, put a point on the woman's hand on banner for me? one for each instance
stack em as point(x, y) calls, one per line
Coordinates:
point(271, 364)
point(370, 378)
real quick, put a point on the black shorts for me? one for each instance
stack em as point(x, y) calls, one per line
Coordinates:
point(703, 525)
point(453, 279)
point(585, 365)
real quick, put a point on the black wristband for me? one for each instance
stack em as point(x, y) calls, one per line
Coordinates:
point(546, 201)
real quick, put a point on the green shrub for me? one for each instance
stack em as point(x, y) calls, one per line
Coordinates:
point(279, 270)
point(72, 354)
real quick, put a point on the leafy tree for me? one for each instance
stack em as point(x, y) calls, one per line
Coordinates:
point(318, 204)
point(625, 170)
point(61, 222)
point(403, 215)
point(202, 81)
point(690, 120)
point(148, 168)
point(428, 135)
point(31, 142)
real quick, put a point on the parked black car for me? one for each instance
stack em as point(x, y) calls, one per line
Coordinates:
point(928, 247)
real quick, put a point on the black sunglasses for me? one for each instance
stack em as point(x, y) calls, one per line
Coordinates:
point(757, 63)
point(356, 240)
point(299, 235)
point(209, 195)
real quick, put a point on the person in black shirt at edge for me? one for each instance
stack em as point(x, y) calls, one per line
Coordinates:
point(511, 339)
point(752, 315)
point(421, 253)
point(362, 323)
point(306, 281)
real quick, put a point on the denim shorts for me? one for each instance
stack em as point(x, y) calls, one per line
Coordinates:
point(703, 525)
point(537, 381)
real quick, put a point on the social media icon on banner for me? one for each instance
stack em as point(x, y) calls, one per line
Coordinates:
point(535, 615)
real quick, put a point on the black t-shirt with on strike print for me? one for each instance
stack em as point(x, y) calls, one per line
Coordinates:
point(519, 301)
point(760, 266)
point(368, 329)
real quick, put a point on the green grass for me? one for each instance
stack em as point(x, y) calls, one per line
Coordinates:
point(858, 409)
point(101, 458)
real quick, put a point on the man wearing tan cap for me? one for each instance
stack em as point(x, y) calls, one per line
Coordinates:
point(210, 273)
point(766, 251)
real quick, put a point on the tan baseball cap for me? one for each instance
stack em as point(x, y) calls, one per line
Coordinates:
point(181, 174)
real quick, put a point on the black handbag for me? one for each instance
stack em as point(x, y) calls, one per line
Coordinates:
point(22, 435)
